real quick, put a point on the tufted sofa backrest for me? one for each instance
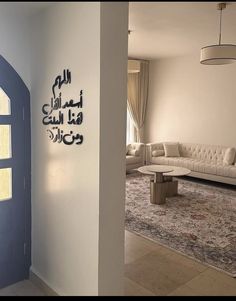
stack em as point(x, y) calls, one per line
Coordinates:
point(212, 153)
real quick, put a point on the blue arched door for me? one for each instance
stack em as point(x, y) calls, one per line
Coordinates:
point(15, 157)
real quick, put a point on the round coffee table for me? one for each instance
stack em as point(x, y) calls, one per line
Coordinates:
point(156, 170)
point(163, 185)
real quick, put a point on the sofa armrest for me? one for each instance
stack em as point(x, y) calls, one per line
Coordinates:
point(140, 147)
point(150, 147)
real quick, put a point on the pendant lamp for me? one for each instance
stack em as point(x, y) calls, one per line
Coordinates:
point(218, 54)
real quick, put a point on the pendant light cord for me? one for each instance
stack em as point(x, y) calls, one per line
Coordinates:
point(220, 26)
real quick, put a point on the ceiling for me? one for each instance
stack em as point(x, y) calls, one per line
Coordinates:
point(169, 29)
point(164, 29)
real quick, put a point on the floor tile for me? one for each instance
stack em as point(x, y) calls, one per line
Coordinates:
point(159, 273)
point(184, 291)
point(132, 237)
point(136, 247)
point(186, 261)
point(207, 285)
point(221, 276)
point(133, 289)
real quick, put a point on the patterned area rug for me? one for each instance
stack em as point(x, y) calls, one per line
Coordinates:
point(200, 222)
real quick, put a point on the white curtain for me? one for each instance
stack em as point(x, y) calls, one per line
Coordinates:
point(129, 129)
point(137, 98)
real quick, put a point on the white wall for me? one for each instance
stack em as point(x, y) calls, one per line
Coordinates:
point(65, 179)
point(113, 107)
point(190, 102)
point(14, 40)
point(75, 214)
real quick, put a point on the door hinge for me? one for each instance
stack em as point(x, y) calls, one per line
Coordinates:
point(24, 248)
point(23, 113)
point(24, 183)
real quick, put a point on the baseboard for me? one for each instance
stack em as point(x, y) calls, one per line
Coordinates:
point(35, 279)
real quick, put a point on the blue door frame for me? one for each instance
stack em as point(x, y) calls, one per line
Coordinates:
point(15, 214)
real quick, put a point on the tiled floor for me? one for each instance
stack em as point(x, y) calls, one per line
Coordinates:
point(153, 270)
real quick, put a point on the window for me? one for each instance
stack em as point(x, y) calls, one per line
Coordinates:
point(5, 184)
point(5, 148)
point(129, 129)
point(5, 108)
point(5, 141)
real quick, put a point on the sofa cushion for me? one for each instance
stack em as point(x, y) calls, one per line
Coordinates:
point(171, 149)
point(134, 152)
point(133, 159)
point(132, 147)
point(157, 153)
point(226, 171)
point(229, 156)
point(174, 161)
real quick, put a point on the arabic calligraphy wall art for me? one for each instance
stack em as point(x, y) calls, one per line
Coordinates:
point(60, 112)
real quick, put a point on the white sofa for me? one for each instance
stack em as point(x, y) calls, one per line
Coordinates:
point(204, 161)
point(135, 155)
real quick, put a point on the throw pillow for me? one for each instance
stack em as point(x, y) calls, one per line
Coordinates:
point(157, 153)
point(171, 149)
point(133, 152)
point(229, 156)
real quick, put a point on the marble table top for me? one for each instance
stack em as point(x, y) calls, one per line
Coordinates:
point(166, 170)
